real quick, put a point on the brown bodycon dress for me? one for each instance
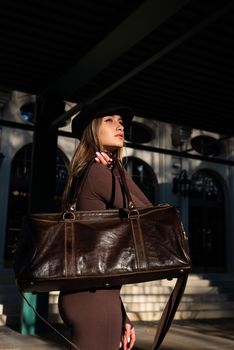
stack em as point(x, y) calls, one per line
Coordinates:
point(96, 317)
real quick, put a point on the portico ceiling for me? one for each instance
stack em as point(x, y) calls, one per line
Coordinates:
point(171, 60)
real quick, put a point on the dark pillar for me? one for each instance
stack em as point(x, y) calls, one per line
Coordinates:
point(43, 178)
point(43, 182)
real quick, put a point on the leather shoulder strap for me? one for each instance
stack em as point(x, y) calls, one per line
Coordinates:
point(79, 181)
point(170, 310)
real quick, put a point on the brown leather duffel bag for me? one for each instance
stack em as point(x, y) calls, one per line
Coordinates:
point(99, 249)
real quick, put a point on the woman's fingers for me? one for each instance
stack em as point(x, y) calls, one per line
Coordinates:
point(132, 338)
point(103, 158)
point(129, 337)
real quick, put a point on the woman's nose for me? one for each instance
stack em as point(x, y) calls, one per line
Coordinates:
point(120, 126)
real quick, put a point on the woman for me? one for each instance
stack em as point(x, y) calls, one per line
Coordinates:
point(97, 317)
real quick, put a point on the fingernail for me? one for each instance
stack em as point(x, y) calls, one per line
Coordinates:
point(98, 153)
point(103, 153)
point(97, 160)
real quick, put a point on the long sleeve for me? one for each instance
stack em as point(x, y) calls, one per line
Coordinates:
point(103, 190)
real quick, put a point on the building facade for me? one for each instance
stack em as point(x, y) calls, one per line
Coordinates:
point(201, 189)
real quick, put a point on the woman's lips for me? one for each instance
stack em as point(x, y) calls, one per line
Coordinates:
point(119, 135)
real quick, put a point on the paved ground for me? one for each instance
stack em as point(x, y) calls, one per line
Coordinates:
point(191, 336)
point(187, 335)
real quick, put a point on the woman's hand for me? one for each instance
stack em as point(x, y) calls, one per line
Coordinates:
point(104, 159)
point(128, 337)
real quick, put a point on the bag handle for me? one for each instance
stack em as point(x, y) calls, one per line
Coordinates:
point(79, 182)
point(119, 166)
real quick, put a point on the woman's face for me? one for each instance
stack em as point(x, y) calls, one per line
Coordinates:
point(111, 132)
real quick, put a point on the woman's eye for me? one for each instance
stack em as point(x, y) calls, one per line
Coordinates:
point(111, 120)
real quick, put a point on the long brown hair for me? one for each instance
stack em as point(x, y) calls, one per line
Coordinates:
point(85, 151)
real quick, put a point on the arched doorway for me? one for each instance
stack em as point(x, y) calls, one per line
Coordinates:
point(207, 233)
point(19, 194)
point(143, 175)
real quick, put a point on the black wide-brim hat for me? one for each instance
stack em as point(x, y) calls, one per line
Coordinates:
point(99, 110)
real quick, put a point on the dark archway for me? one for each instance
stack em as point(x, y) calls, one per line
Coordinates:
point(19, 192)
point(207, 233)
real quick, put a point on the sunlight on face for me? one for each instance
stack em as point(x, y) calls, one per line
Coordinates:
point(111, 132)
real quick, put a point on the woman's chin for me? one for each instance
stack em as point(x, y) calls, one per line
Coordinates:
point(113, 148)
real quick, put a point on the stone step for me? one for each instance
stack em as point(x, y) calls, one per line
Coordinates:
point(204, 297)
point(208, 305)
point(151, 289)
point(191, 306)
point(140, 298)
point(181, 315)
point(193, 284)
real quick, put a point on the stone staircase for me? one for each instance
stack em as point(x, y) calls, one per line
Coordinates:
point(10, 300)
point(206, 297)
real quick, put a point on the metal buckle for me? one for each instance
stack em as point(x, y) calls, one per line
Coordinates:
point(68, 215)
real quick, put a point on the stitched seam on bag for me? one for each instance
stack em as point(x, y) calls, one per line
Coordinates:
point(139, 243)
point(73, 250)
point(145, 261)
point(65, 250)
point(135, 244)
point(70, 259)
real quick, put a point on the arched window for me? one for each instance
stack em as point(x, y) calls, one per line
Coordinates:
point(143, 175)
point(19, 194)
